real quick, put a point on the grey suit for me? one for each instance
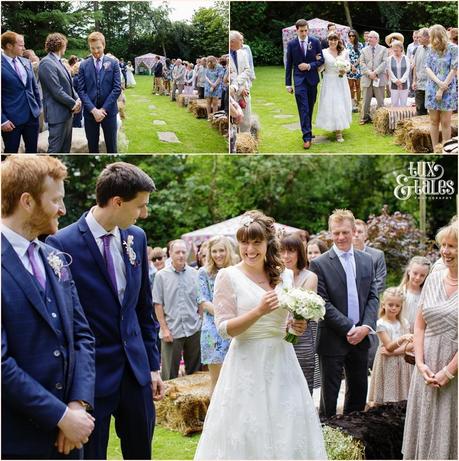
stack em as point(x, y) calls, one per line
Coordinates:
point(372, 62)
point(334, 350)
point(379, 262)
point(59, 97)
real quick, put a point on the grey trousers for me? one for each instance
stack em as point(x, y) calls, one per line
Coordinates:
point(176, 86)
point(368, 93)
point(60, 137)
point(420, 96)
point(171, 354)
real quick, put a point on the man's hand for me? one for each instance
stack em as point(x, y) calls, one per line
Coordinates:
point(76, 427)
point(356, 334)
point(290, 89)
point(372, 75)
point(157, 386)
point(77, 107)
point(414, 86)
point(8, 126)
point(98, 114)
point(167, 335)
point(304, 66)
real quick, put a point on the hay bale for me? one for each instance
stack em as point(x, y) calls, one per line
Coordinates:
point(385, 119)
point(414, 133)
point(219, 121)
point(381, 120)
point(198, 107)
point(185, 405)
point(246, 144)
point(181, 100)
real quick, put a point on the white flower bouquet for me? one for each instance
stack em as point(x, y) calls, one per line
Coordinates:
point(342, 65)
point(303, 305)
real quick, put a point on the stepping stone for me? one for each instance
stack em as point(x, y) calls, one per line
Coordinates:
point(283, 116)
point(259, 101)
point(292, 126)
point(168, 136)
point(144, 100)
point(268, 104)
point(159, 122)
point(152, 106)
point(276, 111)
point(320, 140)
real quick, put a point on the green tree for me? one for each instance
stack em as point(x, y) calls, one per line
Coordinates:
point(210, 35)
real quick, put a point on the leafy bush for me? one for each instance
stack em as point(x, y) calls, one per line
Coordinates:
point(342, 446)
point(266, 53)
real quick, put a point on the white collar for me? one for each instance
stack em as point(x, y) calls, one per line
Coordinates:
point(341, 253)
point(96, 229)
point(95, 59)
point(17, 241)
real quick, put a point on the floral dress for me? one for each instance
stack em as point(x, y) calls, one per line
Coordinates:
point(441, 66)
point(212, 75)
point(213, 346)
point(354, 57)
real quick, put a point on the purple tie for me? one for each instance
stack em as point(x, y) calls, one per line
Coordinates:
point(98, 65)
point(35, 268)
point(16, 68)
point(302, 47)
point(109, 260)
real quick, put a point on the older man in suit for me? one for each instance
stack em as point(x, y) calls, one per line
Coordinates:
point(110, 264)
point(304, 57)
point(60, 100)
point(21, 105)
point(99, 86)
point(373, 66)
point(48, 369)
point(178, 79)
point(346, 282)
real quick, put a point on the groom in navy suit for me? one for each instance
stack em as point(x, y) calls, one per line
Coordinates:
point(110, 268)
point(21, 104)
point(304, 57)
point(99, 86)
point(48, 354)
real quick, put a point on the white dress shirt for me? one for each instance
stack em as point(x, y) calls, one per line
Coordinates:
point(94, 60)
point(116, 250)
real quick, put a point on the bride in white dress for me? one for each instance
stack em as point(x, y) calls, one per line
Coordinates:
point(130, 80)
point(261, 407)
point(335, 102)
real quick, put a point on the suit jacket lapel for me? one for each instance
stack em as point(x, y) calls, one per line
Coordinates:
point(336, 264)
point(12, 264)
point(102, 71)
point(7, 65)
point(127, 264)
point(62, 68)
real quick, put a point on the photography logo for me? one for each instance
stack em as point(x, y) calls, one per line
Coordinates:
point(424, 179)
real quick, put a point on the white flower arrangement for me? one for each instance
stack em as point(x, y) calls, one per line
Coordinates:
point(246, 221)
point(57, 263)
point(342, 65)
point(129, 250)
point(107, 65)
point(303, 305)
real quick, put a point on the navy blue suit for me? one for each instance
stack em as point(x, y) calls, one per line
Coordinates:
point(100, 90)
point(126, 339)
point(47, 356)
point(305, 82)
point(21, 105)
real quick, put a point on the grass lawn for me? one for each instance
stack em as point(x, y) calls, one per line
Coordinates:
point(269, 87)
point(166, 445)
point(195, 135)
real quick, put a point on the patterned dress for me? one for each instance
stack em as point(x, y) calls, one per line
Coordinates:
point(441, 67)
point(411, 307)
point(354, 58)
point(212, 75)
point(391, 375)
point(431, 413)
point(213, 346)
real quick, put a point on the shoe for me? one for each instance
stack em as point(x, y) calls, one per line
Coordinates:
point(363, 122)
point(339, 138)
point(306, 144)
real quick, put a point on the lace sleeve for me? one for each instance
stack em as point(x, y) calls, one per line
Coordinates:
point(224, 302)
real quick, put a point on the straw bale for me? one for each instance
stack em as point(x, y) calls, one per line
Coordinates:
point(198, 108)
point(220, 122)
point(246, 144)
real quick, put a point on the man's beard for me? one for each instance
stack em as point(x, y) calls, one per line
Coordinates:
point(40, 223)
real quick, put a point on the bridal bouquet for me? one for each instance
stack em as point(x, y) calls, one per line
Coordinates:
point(342, 65)
point(304, 305)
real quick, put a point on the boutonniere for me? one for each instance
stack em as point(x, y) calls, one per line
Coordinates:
point(129, 250)
point(58, 265)
point(309, 46)
point(107, 65)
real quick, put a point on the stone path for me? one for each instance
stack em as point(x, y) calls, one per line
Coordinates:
point(168, 136)
point(159, 122)
point(283, 116)
point(292, 126)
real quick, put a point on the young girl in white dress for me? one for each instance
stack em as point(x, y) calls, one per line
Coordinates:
point(391, 375)
point(261, 407)
point(130, 80)
point(335, 102)
point(412, 282)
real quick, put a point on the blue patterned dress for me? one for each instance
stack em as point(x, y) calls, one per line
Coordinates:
point(354, 58)
point(441, 66)
point(212, 75)
point(213, 346)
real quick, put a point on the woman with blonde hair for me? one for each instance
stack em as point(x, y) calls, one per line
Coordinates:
point(213, 347)
point(441, 87)
point(398, 66)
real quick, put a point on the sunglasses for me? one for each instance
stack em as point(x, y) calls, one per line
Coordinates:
point(157, 258)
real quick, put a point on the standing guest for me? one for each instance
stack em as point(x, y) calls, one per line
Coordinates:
point(212, 88)
point(197, 66)
point(77, 118)
point(293, 256)
point(178, 308)
point(412, 47)
point(365, 38)
point(346, 282)
point(35, 60)
point(391, 375)
point(452, 35)
point(213, 346)
point(99, 86)
point(431, 413)
point(47, 346)
point(130, 79)
point(178, 79)
point(441, 88)
point(331, 28)
point(224, 76)
point(248, 51)
point(398, 66)
point(189, 79)
point(373, 68)
point(167, 77)
point(158, 260)
point(419, 71)
point(201, 78)
point(314, 249)
point(122, 65)
point(60, 100)
point(21, 103)
point(412, 283)
point(202, 253)
point(354, 48)
point(159, 76)
point(109, 255)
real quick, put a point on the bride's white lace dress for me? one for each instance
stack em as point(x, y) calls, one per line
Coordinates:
point(261, 407)
point(335, 101)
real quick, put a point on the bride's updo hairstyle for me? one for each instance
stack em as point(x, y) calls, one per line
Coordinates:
point(339, 46)
point(257, 226)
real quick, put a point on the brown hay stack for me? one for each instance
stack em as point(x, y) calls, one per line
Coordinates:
point(385, 119)
point(246, 144)
point(414, 133)
point(184, 407)
point(221, 124)
point(198, 108)
point(184, 99)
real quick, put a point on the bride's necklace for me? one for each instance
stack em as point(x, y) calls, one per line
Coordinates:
point(451, 281)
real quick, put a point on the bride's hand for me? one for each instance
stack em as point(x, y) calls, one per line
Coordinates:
point(269, 302)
